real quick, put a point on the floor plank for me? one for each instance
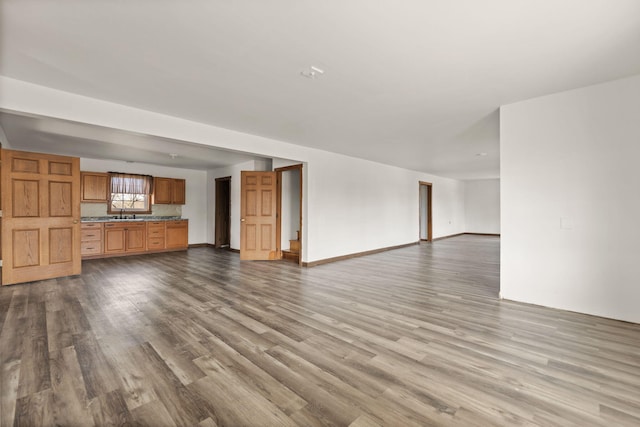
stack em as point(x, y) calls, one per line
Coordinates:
point(415, 336)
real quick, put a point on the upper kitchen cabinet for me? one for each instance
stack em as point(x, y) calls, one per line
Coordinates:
point(94, 187)
point(169, 191)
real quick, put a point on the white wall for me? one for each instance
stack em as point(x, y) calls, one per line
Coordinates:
point(482, 206)
point(349, 205)
point(570, 204)
point(356, 205)
point(196, 181)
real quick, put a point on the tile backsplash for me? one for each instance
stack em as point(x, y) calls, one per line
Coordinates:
point(100, 210)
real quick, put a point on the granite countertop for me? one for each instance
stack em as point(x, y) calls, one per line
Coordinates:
point(139, 218)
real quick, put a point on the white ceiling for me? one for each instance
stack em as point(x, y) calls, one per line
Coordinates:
point(55, 136)
point(413, 83)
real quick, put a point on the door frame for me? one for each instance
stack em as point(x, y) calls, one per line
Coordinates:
point(218, 211)
point(429, 199)
point(279, 208)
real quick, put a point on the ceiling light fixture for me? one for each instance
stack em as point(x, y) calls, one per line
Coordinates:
point(173, 155)
point(312, 72)
point(481, 154)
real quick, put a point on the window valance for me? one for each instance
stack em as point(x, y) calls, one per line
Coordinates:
point(127, 183)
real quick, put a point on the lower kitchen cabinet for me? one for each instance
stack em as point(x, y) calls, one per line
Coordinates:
point(155, 235)
point(177, 234)
point(119, 238)
point(91, 238)
point(114, 237)
point(135, 237)
point(124, 237)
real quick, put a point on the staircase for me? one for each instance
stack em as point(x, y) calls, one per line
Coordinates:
point(293, 253)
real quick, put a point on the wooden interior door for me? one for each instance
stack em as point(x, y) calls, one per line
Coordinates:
point(41, 216)
point(258, 216)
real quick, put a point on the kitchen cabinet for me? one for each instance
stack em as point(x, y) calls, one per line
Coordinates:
point(135, 237)
point(177, 234)
point(94, 187)
point(124, 237)
point(169, 191)
point(120, 238)
point(114, 237)
point(179, 196)
point(155, 235)
point(91, 239)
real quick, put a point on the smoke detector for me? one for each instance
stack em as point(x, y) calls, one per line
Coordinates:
point(312, 72)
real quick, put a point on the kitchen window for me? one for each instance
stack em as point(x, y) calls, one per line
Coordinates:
point(130, 193)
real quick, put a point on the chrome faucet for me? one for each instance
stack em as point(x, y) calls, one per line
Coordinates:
point(121, 210)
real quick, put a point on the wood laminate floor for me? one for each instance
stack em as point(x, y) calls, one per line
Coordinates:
point(410, 337)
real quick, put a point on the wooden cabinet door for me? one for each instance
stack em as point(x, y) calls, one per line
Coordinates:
point(41, 216)
point(177, 234)
point(94, 187)
point(162, 191)
point(136, 238)
point(258, 216)
point(114, 238)
point(169, 191)
point(178, 193)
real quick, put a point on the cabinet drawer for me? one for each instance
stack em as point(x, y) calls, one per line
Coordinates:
point(90, 235)
point(155, 243)
point(178, 223)
point(156, 223)
point(91, 248)
point(90, 225)
point(156, 231)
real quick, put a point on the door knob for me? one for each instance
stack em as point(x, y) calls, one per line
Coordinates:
point(242, 220)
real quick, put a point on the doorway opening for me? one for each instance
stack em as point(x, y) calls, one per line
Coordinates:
point(223, 212)
point(426, 228)
point(289, 218)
